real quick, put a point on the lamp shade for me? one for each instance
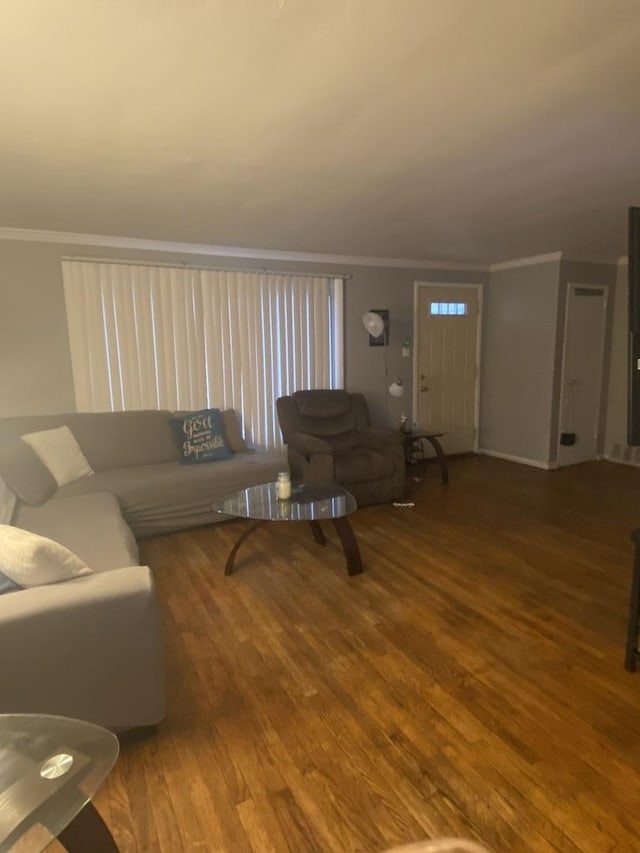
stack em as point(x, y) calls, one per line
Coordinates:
point(373, 323)
point(396, 389)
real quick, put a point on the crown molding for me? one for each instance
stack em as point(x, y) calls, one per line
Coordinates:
point(550, 258)
point(526, 262)
point(610, 261)
point(70, 238)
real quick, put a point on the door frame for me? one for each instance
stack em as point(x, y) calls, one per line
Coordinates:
point(417, 286)
point(605, 319)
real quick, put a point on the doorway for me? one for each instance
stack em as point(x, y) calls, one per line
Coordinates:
point(447, 362)
point(582, 373)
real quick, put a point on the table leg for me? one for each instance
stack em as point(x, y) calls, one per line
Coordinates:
point(230, 559)
point(442, 459)
point(87, 831)
point(632, 657)
point(318, 535)
point(349, 545)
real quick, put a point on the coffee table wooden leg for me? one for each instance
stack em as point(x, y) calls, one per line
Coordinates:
point(349, 545)
point(442, 459)
point(245, 535)
point(318, 535)
point(87, 831)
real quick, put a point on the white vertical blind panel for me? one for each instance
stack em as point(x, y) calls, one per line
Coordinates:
point(175, 338)
point(213, 331)
point(336, 322)
point(126, 353)
point(268, 292)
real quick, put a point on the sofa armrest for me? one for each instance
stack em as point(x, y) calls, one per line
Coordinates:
point(88, 648)
point(308, 444)
point(376, 438)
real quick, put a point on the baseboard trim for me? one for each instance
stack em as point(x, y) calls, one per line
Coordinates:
point(617, 461)
point(520, 460)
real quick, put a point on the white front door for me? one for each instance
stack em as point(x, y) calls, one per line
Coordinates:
point(582, 373)
point(446, 363)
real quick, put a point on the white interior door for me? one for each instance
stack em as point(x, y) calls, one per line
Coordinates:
point(447, 362)
point(582, 366)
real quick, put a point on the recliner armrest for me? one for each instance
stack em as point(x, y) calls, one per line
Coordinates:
point(308, 444)
point(376, 438)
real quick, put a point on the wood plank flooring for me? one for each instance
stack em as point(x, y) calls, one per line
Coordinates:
point(469, 683)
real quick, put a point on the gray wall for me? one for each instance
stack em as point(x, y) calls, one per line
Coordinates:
point(365, 366)
point(523, 322)
point(522, 365)
point(35, 368)
point(519, 358)
point(579, 272)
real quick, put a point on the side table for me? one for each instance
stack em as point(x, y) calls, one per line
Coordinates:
point(414, 450)
point(50, 770)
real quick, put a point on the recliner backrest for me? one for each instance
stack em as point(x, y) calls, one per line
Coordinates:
point(336, 416)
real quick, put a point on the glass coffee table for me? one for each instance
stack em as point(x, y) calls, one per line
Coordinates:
point(312, 504)
point(50, 769)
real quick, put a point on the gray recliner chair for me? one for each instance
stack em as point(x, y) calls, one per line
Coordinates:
point(329, 439)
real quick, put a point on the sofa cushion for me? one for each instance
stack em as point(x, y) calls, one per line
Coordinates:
point(232, 431)
point(29, 559)
point(59, 450)
point(200, 437)
point(89, 524)
point(118, 439)
point(169, 496)
point(25, 474)
point(107, 439)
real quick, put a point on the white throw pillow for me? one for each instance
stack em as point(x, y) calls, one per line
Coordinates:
point(60, 452)
point(7, 503)
point(31, 560)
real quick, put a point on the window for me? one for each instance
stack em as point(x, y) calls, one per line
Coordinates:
point(151, 337)
point(449, 309)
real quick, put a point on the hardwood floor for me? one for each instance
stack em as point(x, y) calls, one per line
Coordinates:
point(469, 683)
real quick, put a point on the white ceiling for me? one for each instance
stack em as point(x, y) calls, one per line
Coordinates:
point(435, 129)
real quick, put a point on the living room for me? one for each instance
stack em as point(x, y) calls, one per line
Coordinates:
point(469, 682)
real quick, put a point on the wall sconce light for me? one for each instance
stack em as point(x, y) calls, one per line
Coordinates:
point(376, 322)
point(396, 389)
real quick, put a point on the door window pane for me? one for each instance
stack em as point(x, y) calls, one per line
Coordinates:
point(448, 309)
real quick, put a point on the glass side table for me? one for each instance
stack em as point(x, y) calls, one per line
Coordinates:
point(50, 768)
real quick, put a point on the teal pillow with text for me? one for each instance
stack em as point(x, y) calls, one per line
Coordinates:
point(200, 437)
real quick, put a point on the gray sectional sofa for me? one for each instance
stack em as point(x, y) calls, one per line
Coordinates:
point(91, 647)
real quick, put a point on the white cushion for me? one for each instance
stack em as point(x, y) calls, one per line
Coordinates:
point(60, 452)
point(31, 560)
point(7, 503)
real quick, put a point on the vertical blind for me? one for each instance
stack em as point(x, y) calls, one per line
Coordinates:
point(160, 337)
